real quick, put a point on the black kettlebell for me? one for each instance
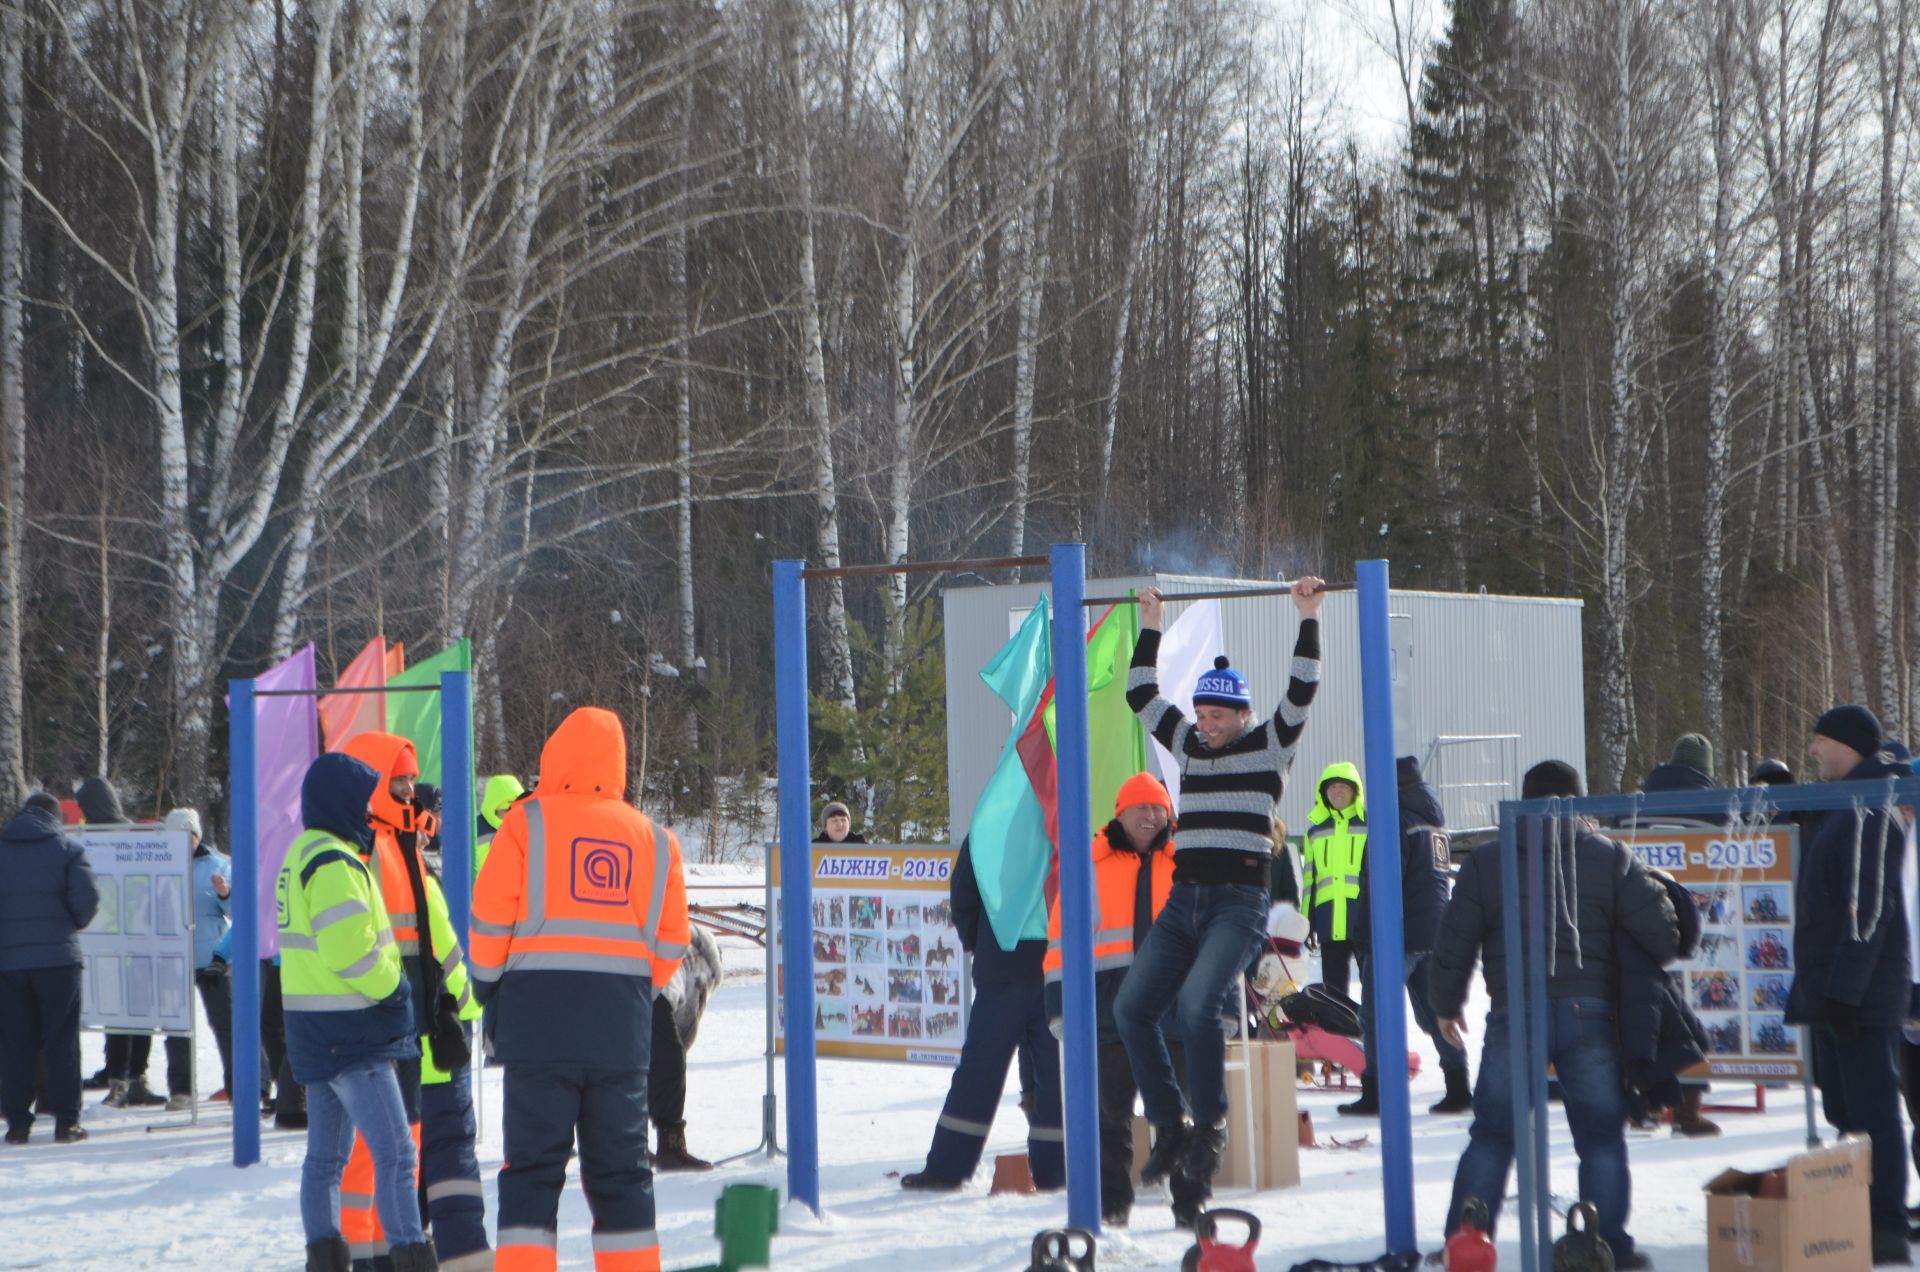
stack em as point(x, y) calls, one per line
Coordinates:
point(1582, 1249)
point(1053, 1251)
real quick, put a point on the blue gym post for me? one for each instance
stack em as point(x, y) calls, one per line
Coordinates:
point(243, 831)
point(1080, 1079)
point(796, 877)
point(1387, 976)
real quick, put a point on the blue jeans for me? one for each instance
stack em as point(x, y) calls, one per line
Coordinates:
point(363, 1097)
point(1192, 960)
point(1452, 1058)
point(1586, 1060)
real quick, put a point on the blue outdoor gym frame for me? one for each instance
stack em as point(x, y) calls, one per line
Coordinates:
point(1079, 1080)
point(1527, 979)
point(243, 833)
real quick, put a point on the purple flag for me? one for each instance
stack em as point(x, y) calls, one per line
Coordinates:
point(288, 730)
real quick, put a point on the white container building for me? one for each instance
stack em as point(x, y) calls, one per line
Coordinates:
point(1484, 686)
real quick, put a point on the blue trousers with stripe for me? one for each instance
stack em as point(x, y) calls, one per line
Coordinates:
point(1004, 1017)
point(547, 1105)
point(456, 1202)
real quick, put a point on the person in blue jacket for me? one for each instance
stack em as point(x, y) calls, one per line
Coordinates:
point(212, 894)
point(49, 897)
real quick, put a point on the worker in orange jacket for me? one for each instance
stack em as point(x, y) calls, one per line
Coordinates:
point(1132, 875)
point(578, 915)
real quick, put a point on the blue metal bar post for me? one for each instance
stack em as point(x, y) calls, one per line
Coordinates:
point(1386, 997)
point(243, 840)
point(1520, 1088)
point(1081, 1079)
point(456, 797)
point(796, 877)
point(1539, 934)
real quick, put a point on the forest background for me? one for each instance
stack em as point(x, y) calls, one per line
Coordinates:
point(548, 324)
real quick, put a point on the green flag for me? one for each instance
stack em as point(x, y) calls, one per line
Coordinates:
point(416, 716)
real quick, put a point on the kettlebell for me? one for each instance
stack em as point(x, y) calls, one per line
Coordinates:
point(1210, 1254)
point(1582, 1249)
point(1470, 1249)
point(1053, 1251)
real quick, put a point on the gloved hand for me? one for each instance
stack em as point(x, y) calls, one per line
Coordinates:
point(1842, 1018)
point(1058, 1028)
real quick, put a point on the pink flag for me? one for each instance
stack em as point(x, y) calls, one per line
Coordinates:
point(345, 716)
point(288, 741)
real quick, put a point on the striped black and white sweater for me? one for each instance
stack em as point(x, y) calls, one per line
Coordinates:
point(1227, 795)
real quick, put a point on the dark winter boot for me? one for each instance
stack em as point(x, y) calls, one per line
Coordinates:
point(1891, 1248)
point(1202, 1156)
point(1168, 1143)
point(98, 1082)
point(1686, 1114)
point(1459, 1096)
point(116, 1094)
point(141, 1096)
point(1368, 1105)
point(69, 1133)
point(673, 1154)
point(927, 1181)
point(415, 1258)
point(330, 1255)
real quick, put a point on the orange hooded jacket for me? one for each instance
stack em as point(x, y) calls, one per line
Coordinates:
point(581, 910)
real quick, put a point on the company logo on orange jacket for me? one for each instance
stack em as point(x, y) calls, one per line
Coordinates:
point(602, 871)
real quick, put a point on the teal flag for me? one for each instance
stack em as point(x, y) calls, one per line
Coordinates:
point(416, 716)
point(1008, 841)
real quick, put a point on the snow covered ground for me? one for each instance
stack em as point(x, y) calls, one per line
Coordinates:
point(133, 1198)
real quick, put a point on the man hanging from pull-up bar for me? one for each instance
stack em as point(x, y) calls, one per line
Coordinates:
point(1232, 775)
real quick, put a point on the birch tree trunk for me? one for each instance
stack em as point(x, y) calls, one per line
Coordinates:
point(826, 493)
point(1720, 83)
point(1882, 451)
point(683, 403)
point(1038, 226)
point(13, 407)
point(905, 330)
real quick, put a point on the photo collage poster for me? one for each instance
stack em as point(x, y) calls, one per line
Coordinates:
point(888, 971)
point(1742, 889)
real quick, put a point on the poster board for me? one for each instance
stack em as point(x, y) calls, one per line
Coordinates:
point(139, 947)
point(1742, 885)
point(889, 976)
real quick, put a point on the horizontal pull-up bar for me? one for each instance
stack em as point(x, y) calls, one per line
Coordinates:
point(1223, 594)
point(328, 693)
point(919, 567)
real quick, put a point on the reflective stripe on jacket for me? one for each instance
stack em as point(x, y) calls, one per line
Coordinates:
point(1336, 850)
point(1116, 879)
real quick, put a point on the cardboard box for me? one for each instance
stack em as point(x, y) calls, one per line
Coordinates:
point(1809, 1215)
point(1276, 1120)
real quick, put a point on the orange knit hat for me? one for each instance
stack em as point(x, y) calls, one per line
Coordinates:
point(1142, 788)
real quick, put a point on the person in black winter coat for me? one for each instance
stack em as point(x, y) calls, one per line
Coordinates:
point(1426, 875)
point(1660, 1037)
point(1009, 1012)
point(1607, 892)
point(1851, 977)
point(49, 897)
point(1689, 769)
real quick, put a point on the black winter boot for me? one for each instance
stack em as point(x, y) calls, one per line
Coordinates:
point(1459, 1096)
point(1168, 1143)
point(1368, 1105)
point(330, 1255)
point(1202, 1158)
point(415, 1258)
point(1686, 1114)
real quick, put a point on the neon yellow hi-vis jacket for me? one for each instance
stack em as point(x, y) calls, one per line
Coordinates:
point(1336, 849)
point(340, 976)
point(501, 790)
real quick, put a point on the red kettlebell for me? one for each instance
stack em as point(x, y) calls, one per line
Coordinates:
point(1210, 1254)
point(1470, 1249)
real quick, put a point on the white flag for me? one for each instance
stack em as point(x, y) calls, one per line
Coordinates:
point(1187, 650)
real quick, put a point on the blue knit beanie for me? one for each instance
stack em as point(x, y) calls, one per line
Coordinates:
point(1223, 687)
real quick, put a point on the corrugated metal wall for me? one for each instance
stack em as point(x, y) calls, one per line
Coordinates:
point(1484, 686)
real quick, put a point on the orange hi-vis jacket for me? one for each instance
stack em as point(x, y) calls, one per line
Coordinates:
point(388, 754)
point(581, 910)
point(1116, 880)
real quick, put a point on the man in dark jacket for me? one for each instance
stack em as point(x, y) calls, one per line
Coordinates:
point(1851, 978)
point(49, 896)
point(1660, 1037)
point(1612, 894)
point(1009, 1011)
point(1426, 873)
point(1689, 769)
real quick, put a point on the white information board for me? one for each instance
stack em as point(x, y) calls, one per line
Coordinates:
point(139, 947)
